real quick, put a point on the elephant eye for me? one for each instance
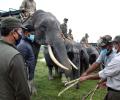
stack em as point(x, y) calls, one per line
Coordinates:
point(43, 28)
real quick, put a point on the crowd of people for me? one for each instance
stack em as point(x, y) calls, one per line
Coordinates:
point(17, 59)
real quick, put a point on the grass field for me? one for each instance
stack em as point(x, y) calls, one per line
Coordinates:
point(48, 90)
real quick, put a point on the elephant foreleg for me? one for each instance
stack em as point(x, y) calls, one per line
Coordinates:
point(50, 76)
point(56, 72)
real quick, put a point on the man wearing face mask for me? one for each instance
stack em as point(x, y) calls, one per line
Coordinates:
point(26, 50)
point(111, 73)
point(13, 80)
point(106, 54)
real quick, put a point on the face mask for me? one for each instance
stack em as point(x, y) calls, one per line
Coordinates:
point(115, 50)
point(106, 52)
point(31, 37)
point(19, 32)
point(103, 51)
point(18, 40)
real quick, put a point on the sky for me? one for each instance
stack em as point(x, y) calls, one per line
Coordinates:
point(95, 17)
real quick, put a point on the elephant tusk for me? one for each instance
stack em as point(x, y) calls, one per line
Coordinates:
point(54, 59)
point(72, 64)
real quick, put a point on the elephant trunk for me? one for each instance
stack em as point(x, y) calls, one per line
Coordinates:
point(54, 59)
point(60, 51)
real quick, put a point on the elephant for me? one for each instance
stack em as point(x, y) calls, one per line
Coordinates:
point(52, 65)
point(48, 32)
point(93, 54)
point(76, 53)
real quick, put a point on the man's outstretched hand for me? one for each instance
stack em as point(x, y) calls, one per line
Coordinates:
point(84, 74)
point(83, 78)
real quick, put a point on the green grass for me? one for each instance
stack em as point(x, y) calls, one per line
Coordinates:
point(48, 90)
point(41, 55)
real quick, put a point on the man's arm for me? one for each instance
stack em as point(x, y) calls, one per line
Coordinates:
point(19, 78)
point(95, 65)
point(89, 77)
point(22, 48)
point(28, 54)
point(30, 62)
point(111, 70)
point(91, 69)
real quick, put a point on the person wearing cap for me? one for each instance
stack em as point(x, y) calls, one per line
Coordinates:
point(28, 7)
point(84, 40)
point(70, 36)
point(13, 79)
point(64, 27)
point(26, 50)
point(106, 54)
point(111, 73)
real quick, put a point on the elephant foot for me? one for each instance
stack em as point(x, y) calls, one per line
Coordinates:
point(29, 85)
point(56, 76)
point(64, 79)
point(77, 86)
point(34, 90)
point(50, 77)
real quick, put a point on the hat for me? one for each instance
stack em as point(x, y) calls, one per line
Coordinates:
point(11, 22)
point(116, 39)
point(29, 28)
point(86, 35)
point(105, 40)
point(65, 19)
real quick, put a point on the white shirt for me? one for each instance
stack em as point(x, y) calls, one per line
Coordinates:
point(111, 72)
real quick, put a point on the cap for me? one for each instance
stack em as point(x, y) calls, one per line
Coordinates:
point(29, 28)
point(117, 39)
point(108, 38)
point(105, 40)
point(11, 22)
point(86, 35)
point(70, 30)
point(65, 19)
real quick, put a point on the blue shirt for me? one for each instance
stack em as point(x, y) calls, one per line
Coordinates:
point(104, 59)
point(26, 50)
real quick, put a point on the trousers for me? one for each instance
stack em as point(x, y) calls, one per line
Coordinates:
point(112, 94)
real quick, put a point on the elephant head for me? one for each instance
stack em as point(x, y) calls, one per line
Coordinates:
point(47, 31)
point(93, 54)
point(77, 54)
